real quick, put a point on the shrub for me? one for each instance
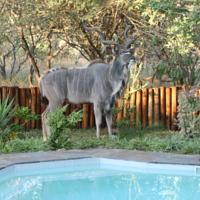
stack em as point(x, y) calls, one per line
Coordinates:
point(60, 127)
point(24, 113)
point(86, 142)
point(6, 114)
point(24, 145)
point(125, 122)
point(9, 130)
point(188, 117)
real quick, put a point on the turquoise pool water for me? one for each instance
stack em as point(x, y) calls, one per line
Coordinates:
point(99, 179)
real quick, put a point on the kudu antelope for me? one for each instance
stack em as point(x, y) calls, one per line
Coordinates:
point(100, 83)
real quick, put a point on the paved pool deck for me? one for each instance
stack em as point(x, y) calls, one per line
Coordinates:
point(121, 154)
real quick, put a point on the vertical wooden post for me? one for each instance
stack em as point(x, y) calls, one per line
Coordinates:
point(126, 103)
point(124, 109)
point(16, 120)
point(11, 93)
point(85, 115)
point(22, 99)
point(120, 107)
point(38, 108)
point(168, 107)
point(174, 107)
point(17, 96)
point(156, 106)
point(144, 107)
point(139, 108)
point(28, 103)
point(133, 108)
point(33, 91)
point(150, 107)
point(91, 116)
point(163, 105)
point(4, 93)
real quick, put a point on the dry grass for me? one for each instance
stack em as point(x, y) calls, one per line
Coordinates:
point(20, 81)
point(22, 78)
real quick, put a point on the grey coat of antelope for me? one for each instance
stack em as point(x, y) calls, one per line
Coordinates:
point(100, 83)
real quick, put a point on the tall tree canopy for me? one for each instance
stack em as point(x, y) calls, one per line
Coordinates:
point(167, 33)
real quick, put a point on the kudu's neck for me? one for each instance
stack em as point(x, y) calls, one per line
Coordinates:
point(116, 70)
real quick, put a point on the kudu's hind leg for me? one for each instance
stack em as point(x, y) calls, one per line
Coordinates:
point(98, 119)
point(109, 122)
point(44, 124)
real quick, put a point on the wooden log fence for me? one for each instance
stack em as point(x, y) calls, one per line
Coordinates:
point(148, 107)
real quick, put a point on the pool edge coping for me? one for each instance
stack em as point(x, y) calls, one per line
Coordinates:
point(7, 160)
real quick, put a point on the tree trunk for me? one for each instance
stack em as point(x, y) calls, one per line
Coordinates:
point(31, 57)
point(3, 72)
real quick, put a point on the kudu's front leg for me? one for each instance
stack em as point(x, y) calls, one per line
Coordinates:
point(98, 119)
point(45, 126)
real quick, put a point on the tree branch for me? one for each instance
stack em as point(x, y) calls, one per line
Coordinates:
point(90, 41)
point(80, 49)
point(2, 6)
point(49, 55)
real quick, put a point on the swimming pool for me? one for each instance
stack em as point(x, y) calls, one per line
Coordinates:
point(99, 179)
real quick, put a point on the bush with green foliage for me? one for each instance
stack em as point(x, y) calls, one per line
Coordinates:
point(25, 114)
point(6, 114)
point(60, 127)
point(125, 122)
point(8, 129)
point(188, 118)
